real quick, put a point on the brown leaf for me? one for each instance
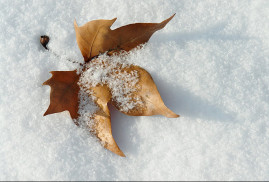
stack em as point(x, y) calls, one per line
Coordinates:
point(146, 90)
point(96, 37)
point(64, 96)
point(102, 123)
point(64, 92)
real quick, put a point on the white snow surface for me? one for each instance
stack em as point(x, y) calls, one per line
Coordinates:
point(210, 64)
point(111, 71)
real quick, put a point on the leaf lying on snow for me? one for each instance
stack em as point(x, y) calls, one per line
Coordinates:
point(101, 119)
point(96, 37)
point(64, 93)
point(151, 102)
point(130, 88)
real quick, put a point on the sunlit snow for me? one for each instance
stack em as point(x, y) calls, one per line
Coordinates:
point(210, 64)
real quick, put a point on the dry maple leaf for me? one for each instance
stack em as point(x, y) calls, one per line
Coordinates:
point(64, 93)
point(142, 97)
point(101, 118)
point(146, 90)
point(96, 37)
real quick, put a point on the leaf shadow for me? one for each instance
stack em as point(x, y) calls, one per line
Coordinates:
point(179, 100)
point(185, 103)
point(214, 32)
point(124, 131)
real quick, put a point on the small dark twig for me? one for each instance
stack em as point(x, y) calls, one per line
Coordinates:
point(44, 40)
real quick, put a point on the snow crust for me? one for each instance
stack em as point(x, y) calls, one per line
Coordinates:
point(112, 71)
point(210, 64)
point(87, 108)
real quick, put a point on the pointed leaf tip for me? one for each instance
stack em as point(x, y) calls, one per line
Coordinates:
point(75, 23)
point(163, 23)
point(114, 19)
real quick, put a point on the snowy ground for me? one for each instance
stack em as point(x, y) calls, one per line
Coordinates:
point(210, 63)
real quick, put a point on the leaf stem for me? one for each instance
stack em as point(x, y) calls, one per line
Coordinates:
point(44, 40)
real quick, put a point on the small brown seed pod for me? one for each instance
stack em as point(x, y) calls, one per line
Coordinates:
point(44, 40)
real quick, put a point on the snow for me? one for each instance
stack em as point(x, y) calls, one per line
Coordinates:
point(111, 71)
point(87, 108)
point(210, 64)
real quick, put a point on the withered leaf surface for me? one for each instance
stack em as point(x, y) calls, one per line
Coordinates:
point(96, 37)
point(102, 123)
point(142, 94)
point(146, 90)
point(131, 88)
point(64, 92)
